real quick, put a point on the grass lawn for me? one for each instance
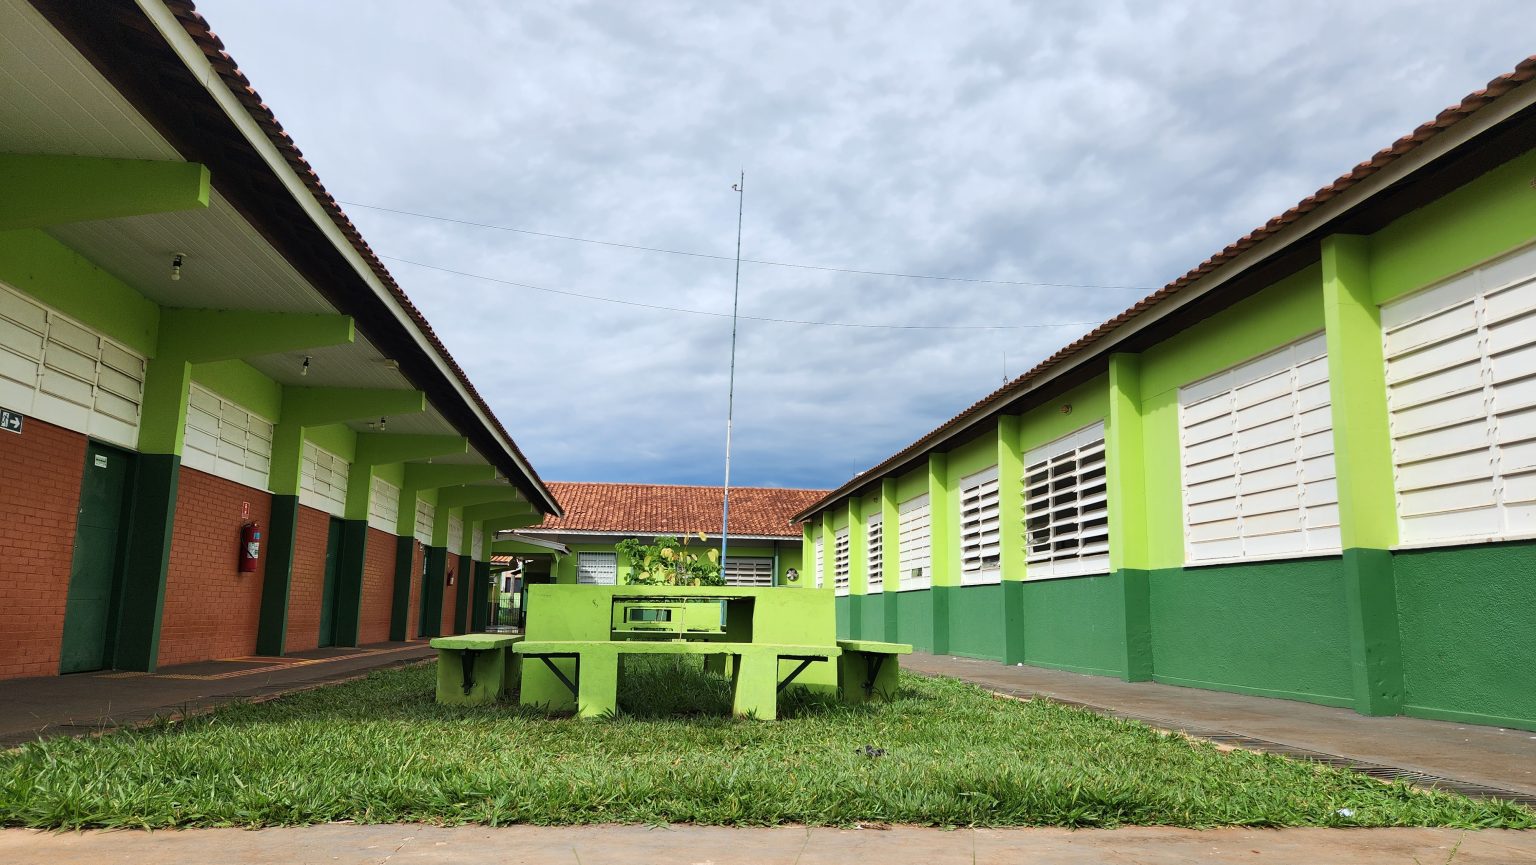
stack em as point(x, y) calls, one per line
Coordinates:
point(381, 750)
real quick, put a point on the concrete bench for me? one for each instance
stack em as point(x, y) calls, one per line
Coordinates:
point(868, 669)
point(475, 669)
point(755, 678)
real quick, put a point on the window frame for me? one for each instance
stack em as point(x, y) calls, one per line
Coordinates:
point(842, 565)
point(612, 561)
point(1086, 450)
point(982, 489)
point(874, 553)
point(919, 504)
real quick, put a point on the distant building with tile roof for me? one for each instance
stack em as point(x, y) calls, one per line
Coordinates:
point(764, 543)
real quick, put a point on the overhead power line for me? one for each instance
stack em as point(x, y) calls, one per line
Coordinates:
point(621, 301)
point(849, 270)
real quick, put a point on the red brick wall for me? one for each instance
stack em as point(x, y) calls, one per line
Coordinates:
point(39, 496)
point(451, 593)
point(378, 588)
point(413, 619)
point(308, 585)
point(211, 609)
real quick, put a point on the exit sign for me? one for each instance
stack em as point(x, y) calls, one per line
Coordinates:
point(10, 421)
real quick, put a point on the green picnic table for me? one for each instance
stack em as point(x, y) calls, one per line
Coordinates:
point(755, 675)
point(868, 669)
point(475, 669)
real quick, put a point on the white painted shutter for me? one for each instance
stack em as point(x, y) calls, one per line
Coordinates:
point(477, 543)
point(875, 555)
point(597, 569)
point(1461, 392)
point(323, 480)
point(57, 370)
point(1066, 506)
point(913, 539)
point(384, 506)
point(981, 540)
point(840, 563)
point(455, 532)
point(747, 571)
point(1256, 444)
point(820, 561)
point(225, 439)
point(426, 518)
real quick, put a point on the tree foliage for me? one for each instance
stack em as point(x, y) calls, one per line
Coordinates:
point(669, 562)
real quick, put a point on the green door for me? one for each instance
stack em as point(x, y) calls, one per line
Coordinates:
point(97, 566)
point(328, 594)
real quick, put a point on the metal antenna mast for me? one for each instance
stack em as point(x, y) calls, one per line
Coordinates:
point(730, 400)
point(730, 397)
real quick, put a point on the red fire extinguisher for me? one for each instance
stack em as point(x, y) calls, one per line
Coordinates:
point(250, 547)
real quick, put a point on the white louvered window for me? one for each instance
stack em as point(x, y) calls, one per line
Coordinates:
point(875, 551)
point(1066, 506)
point(384, 506)
point(57, 370)
point(455, 531)
point(1461, 391)
point(748, 571)
point(597, 569)
point(1257, 452)
point(840, 543)
point(821, 561)
point(323, 480)
point(981, 541)
point(477, 543)
point(913, 543)
point(426, 518)
point(226, 440)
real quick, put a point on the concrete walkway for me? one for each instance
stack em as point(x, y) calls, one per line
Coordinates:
point(785, 845)
point(1487, 756)
point(85, 703)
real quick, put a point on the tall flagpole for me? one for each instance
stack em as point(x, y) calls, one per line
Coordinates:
point(730, 400)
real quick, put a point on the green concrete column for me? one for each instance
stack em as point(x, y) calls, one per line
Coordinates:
point(1128, 553)
point(147, 560)
point(480, 617)
point(858, 566)
point(890, 526)
point(272, 625)
point(1363, 462)
point(1010, 502)
point(807, 554)
point(943, 555)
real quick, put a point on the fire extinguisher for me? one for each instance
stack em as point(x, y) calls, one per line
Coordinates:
point(250, 547)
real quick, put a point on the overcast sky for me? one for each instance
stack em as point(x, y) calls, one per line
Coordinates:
point(1086, 144)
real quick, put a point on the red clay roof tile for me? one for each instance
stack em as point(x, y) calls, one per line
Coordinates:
point(674, 510)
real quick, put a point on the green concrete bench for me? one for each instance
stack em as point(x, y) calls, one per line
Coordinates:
point(868, 669)
point(755, 679)
point(475, 669)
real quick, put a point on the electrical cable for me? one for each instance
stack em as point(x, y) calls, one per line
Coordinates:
point(849, 270)
point(658, 306)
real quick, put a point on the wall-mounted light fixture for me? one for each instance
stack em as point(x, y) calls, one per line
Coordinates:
point(177, 261)
point(1066, 408)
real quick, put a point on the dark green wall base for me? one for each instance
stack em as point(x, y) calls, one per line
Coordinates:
point(1375, 652)
point(843, 604)
point(1278, 629)
point(400, 605)
point(1467, 620)
point(914, 618)
point(148, 557)
point(1013, 622)
point(272, 627)
point(349, 580)
point(975, 620)
point(432, 591)
point(1076, 624)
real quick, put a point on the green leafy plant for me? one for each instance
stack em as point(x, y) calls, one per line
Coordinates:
point(669, 562)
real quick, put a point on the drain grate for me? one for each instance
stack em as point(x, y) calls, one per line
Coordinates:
point(1251, 743)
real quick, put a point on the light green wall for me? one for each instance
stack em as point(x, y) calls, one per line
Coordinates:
point(565, 570)
point(1046, 423)
point(1483, 219)
point(912, 484)
point(393, 473)
point(1276, 316)
point(337, 438)
point(240, 383)
point(35, 263)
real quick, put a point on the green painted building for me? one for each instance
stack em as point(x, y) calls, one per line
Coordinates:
point(225, 431)
point(763, 548)
point(1306, 469)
